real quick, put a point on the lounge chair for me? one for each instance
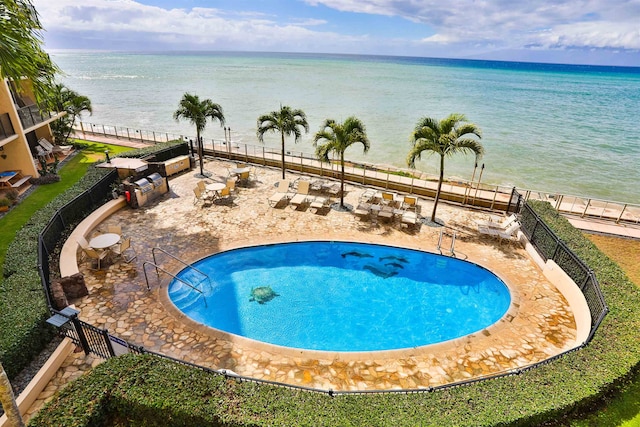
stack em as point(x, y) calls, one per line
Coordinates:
point(410, 203)
point(281, 194)
point(302, 195)
point(367, 195)
point(58, 149)
point(319, 204)
point(497, 225)
point(43, 153)
point(409, 219)
point(510, 234)
point(388, 198)
point(363, 211)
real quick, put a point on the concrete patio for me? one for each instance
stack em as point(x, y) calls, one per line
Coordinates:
point(539, 323)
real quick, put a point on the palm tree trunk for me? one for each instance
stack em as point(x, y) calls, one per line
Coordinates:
point(200, 153)
point(435, 203)
point(342, 180)
point(8, 401)
point(66, 137)
point(283, 164)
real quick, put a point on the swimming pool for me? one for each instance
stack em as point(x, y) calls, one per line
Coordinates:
point(340, 296)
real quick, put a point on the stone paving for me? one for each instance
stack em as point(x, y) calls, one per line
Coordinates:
point(539, 323)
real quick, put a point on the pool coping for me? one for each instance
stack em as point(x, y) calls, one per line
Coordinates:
point(496, 327)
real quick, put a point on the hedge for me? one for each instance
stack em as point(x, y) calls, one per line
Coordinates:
point(150, 391)
point(23, 306)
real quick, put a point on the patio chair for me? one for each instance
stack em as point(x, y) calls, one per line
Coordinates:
point(231, 185)
point(281, 194)
point(302, 195)
point(125, 245)
point(206, 199)
point(115, 229)
point(243, 178)
point(95, 255)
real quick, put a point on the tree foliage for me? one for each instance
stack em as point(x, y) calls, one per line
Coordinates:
point(286, 121)
point(21, 53)
point(61, 98)
point(197, 112)
point(337, 138)
point(447, 137)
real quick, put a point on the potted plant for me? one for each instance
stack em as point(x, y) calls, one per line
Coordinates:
point(12, 195)
point(5, 204)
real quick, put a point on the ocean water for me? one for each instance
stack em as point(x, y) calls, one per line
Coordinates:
point(551, 128)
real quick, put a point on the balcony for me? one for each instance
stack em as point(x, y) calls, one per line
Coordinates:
point(6, 128)
point(31, 115)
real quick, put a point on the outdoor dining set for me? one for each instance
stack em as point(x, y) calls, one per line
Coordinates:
point(108, 246)
point(207, 193)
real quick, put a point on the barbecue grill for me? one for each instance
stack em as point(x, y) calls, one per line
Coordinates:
point(156, 180)
point(143, 185)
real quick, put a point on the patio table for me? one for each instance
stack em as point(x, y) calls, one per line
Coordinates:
point(104, 241)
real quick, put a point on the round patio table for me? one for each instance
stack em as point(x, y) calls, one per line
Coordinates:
point(215, 187)
point(104, 241)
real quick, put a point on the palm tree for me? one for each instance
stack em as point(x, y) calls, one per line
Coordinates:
point(197, 112)
point(21, 53)
point(74, 104)
point(287, 121)
point(338, 137)
point(8, 401)
point(446, 137)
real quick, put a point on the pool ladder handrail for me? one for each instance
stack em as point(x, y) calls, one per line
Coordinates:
point(157, 267)
point(186, 264)
point(452, 250)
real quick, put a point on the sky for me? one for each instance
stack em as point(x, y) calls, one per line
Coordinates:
point(603, 32)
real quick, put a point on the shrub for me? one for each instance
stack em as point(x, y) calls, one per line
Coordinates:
point(45, 179)
point(145, 390)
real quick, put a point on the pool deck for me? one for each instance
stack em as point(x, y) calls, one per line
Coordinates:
point(538, 325)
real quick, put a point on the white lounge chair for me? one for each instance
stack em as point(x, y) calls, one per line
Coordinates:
point(302, 195)
point(510, 234)
point(319, 204)
point(497, 225)
point(59, 149)
point(409, 219)
point(281, 194)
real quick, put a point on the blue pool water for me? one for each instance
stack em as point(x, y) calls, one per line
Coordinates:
point(336, 296)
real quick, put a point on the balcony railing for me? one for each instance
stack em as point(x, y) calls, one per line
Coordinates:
point(31, 115)
point(6, 128)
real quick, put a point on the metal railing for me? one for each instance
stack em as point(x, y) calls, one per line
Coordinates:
point(32, 115)
point(459, 191)
point(549, 246)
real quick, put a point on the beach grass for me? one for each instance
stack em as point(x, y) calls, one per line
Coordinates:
point(70, 173)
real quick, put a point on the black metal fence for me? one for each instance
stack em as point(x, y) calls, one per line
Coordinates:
point(99, 342)
point(549, 246)
point(71, 213)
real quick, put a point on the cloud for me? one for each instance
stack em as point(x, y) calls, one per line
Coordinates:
point(455, 27)
point(509, 24)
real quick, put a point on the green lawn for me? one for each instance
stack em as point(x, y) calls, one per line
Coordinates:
point(70, 173)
